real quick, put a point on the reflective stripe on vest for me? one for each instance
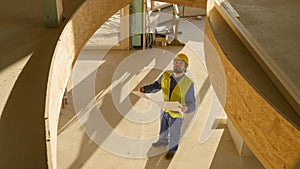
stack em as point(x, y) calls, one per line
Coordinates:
point(178, 93)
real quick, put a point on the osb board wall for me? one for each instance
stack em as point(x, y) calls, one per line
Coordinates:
point(273, 140)
point(191, 3)
point(286, 86)
point(86, 20)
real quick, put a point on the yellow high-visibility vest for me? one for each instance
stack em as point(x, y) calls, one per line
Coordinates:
point(178, 93)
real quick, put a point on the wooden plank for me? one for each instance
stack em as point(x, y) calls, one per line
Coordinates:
point(144, 23)
point(191, 3)
point(124, 27)
point(157, 8)
point(227, 6)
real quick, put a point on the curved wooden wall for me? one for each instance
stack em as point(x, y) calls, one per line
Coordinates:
point(86, 20)
point(273, 139)
point(280, 78)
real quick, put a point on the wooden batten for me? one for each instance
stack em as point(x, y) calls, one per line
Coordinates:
point(191, 3)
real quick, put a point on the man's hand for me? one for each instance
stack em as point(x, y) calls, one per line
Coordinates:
point(184, 109)
point(141, 89)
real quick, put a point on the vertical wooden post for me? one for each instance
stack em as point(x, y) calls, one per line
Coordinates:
point(144, 23)
point(124, 27)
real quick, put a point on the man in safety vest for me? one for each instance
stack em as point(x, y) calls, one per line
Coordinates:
point(176, 86)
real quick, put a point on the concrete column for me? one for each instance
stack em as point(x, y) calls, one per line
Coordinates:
point(52, 13)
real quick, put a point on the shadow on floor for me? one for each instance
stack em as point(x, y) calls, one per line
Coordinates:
point(158, 161)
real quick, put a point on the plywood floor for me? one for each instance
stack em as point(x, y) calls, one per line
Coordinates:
point(76, 149)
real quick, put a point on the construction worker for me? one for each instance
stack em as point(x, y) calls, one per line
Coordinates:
point(176, 86)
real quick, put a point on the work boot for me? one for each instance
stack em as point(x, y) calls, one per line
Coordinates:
point(170, 155)
point(159, 144)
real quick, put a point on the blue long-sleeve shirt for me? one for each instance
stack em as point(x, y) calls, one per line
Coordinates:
point(189, 97)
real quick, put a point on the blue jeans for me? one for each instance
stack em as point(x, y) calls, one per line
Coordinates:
point(170, 130)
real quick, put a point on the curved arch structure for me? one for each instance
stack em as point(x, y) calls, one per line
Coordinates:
point(87, 19)
point(273, 139)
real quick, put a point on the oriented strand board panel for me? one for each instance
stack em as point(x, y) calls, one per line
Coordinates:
point(271, 137)
point(276, 58)
point(86, 20)
point(191, 3)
